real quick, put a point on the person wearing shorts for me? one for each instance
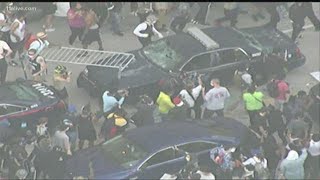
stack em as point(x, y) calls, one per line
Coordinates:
point(17, 35)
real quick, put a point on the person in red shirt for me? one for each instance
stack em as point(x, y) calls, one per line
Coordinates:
point(283, 90)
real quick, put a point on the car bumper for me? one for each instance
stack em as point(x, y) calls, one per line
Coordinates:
point(297, 62)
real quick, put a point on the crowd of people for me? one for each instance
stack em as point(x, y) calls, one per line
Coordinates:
point(179, 99)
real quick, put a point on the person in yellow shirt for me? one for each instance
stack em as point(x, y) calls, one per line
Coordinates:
point(164, 104)
point(253, 101)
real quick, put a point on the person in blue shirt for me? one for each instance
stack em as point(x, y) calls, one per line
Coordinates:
point(109, 101)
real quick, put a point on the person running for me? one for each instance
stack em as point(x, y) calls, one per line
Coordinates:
point(86, 129)
point(38, 65)
point(215, 99)
point(49, 9)
point(17, 35)
point(5, 24)
point(92, 29)
point(76, 22)
point(146, 30)
point(253, 102)
point(5, 51)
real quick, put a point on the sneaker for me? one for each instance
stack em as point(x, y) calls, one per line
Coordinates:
point(13, 63)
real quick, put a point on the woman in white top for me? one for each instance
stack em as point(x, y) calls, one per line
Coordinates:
point(17, 35)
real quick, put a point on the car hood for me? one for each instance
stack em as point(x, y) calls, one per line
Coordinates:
point(140, 72)
point(92, 161)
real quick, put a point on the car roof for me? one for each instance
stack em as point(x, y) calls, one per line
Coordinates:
point(162, 135)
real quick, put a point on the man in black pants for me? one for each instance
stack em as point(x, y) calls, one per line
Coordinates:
point(146, 30)
point(297, 14)
point(181, 19)
point(274, 15)
point(310, 14)
point(4, 47)
point(201, 16)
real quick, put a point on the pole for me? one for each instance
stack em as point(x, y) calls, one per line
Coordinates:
point(22, 65)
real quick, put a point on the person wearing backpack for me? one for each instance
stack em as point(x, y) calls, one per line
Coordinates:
point(38, 65)
point(253, 102)
point(191, 95)
point(38, 42)
point(260, 164)
point(282, 88)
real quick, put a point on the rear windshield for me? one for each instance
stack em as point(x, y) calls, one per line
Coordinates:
point(18, 91)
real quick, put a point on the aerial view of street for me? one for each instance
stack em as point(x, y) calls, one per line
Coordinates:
point(159, 90)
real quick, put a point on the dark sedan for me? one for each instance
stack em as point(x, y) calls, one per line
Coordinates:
point(22, 102)
point(149, 152)
point(215, 52)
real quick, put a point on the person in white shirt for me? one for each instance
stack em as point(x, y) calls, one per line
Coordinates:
point(61, 139)
point(17, 35)
point(215, 99)
point(5, 51)
point(190, 94)
point(5, 24)
point(41, 43)
point(146, 30)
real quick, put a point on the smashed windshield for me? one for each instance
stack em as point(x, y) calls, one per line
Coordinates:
point(162, 54)
point(123, 151)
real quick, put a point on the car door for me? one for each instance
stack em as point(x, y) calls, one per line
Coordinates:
point(221, 64)
point(164, 161)
point(200, 148)
point(9, 110)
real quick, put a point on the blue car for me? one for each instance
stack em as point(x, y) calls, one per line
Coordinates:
point(149, 152)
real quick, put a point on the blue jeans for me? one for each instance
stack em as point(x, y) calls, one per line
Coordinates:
point(115, 22)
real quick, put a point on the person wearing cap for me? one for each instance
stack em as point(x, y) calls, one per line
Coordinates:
point(144, 31)
point(86, 130)
point(292, 167)
point(37, 65)
point(145, 112)
point(41, 43)
point(179, 112)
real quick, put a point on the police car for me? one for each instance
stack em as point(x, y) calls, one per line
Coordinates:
point(23, 102)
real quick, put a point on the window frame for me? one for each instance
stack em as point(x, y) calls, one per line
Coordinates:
point(213, 51)
point(24, 108)
point(154, 154)
point(209, 142)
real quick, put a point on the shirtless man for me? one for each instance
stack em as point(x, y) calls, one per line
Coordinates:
point(92, 30)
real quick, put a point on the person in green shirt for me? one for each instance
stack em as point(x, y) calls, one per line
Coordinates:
point(164, 105)
point(253, 101)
